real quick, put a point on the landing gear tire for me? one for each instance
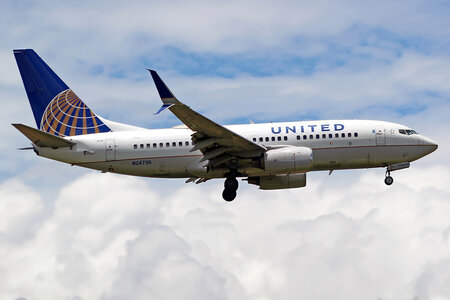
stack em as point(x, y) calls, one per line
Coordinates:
point(388, 180)
point(229, 195)
point(231, 183)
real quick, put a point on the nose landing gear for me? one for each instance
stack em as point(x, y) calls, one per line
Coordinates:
point(231, 185)
point(388, 180)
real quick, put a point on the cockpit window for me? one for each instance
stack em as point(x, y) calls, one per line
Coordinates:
point(407, 131)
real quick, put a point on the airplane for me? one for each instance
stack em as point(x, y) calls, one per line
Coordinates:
point(269, 155)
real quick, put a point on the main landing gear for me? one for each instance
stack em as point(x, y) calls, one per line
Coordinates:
point(231, 185)
point(388, 179)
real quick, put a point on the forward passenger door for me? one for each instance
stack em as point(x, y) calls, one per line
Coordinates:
point(380, 136)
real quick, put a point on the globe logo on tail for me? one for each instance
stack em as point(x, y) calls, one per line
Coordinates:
point(67, 115)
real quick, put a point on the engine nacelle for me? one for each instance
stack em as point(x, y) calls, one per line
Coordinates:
point(275, 182)
point(288, 160)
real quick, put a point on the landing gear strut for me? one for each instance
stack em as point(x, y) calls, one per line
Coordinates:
point(231, 185)
point(388, 180)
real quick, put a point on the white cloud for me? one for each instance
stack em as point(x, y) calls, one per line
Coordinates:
point(158, 265)
point(110, 236)
point(212, 26)
point(396, 75)
point(20, 208)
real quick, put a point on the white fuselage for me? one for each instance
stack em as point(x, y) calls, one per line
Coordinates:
point(336, 144)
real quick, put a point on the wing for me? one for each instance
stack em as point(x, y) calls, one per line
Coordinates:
point(218, 144)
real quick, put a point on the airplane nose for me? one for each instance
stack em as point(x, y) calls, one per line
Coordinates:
point(429, 145)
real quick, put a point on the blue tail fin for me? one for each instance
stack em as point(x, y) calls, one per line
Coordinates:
point(56, 108)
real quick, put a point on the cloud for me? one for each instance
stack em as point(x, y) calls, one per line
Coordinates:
point(371, 59)
point(232, 26)
point(261, 31)
point(19, 207)
point(158, 265)
point(108, 236)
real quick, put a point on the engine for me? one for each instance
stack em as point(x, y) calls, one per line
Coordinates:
point(275, 182)
point(287, 160)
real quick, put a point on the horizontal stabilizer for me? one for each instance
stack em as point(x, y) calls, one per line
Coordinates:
point(42, 138)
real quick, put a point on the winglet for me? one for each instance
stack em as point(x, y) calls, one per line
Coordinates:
point(166, 95)
point(163, 107)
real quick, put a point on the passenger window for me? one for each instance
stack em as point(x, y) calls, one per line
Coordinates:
point(298, 137)
point(343, 135)
point(148, 145)
point(349, 134)
point(317, 136)
point(330, 135)
point(311, 136)
point(154, 145)
point(267, 139)
point(305, 137)
point(142, 146)
point(180, 144)
point(336, 135)
point(167, 144)
point(161, 145)
point(186, 144)
point(254, 139)
point(324, 136)
point(273, 139)
point(261, 139)
point(174, 144)
point(279, 138)
point(356, 134)
point(135, 146)
point(285, 138)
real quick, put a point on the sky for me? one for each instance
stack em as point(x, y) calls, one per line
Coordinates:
point(73, 233)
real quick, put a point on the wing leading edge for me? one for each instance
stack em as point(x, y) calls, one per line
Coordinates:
point(218, 144)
